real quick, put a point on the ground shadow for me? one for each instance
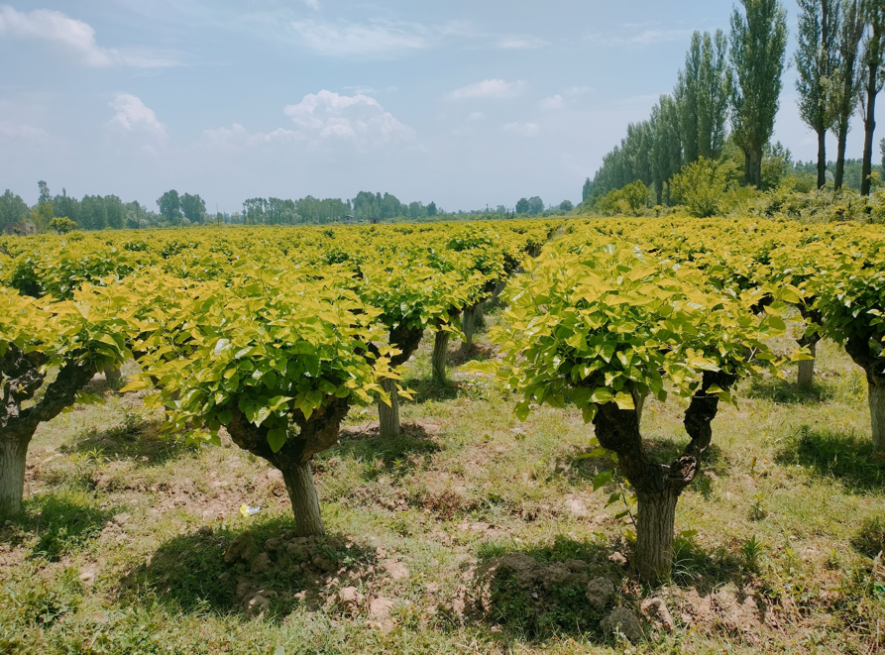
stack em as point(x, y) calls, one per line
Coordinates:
point(60, 523)
point(430, 390)
point(136, 439)
point(265, 571)
point(537, 592)
point(413, 446)
point(788, 393)
point(475, 353)
point(847, 457)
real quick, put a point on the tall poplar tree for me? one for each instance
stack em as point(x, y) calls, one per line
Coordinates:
point(817, 59)
point(848, 83)
point(667, 146)
point(871, 60)
point(758, 55)
point(702, 96)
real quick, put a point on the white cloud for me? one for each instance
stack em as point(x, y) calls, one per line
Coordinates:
point(10, 131)
point(476, 116)
point(359, 119)
point(73, 36)
point(578, 90)
point(552, 103)
point(134, 117)
point(523, 129)
point(645, 38)
point(521, 42)
point(237, 136)
point(490, 89)
point(313, 4)
point(378, 38)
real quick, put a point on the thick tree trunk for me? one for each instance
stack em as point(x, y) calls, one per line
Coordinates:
point(440, 356)
point(655, 527)
point(388, 415)
point(748, 169)
point(821, 159)
point(757, 169)
point(806, 368)
point(13, 456)
point(305, 503)
point(467, 325)
point(877, 413)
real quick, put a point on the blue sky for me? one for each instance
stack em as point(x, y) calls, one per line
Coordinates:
point(464, 103)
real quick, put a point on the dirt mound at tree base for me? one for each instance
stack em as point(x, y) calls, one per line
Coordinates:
point(540, 598)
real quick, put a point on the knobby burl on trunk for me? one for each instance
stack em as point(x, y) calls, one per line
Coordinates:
point(316, 434)
point(618, 430)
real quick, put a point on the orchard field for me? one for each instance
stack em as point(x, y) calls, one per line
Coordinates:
point(616, 435)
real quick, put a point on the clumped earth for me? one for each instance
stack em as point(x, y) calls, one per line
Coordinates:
point(468, 533)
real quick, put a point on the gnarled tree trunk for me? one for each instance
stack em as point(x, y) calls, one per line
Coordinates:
point(21, 377)
point(315, 435)
point(658, 486)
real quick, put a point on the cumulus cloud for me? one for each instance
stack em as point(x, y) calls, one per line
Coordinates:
point(378, 38)
point(73, 36)
point(523, 129)
point(134, 117)
point(644, 38)
point(324, 119)
point(360, 119)
point(490, 89)
point(554, 102)
point(522, 42)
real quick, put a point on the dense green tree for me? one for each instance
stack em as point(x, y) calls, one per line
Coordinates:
point(817, 59)
point(566, 205)
point(587, 190)
point(522, 206)
point(193, 207)
point(45, 196)
point(847, 78)
point(667, 155)
point(432, 209)
point(170, 207)
point(12, 209)
point(871, 60)
point(115, 212)
point(93, 214)
point(701, 95)
point(758, 55)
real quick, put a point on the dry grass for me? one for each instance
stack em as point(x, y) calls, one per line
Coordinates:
point(469, 533)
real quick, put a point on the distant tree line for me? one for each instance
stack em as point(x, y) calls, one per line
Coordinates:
point(176, 209)
point(728, 94)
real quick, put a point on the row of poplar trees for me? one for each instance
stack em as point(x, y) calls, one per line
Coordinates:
point(738, 79)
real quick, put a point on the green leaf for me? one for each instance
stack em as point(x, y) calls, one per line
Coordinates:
point(276, 438)
point(602, 479)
